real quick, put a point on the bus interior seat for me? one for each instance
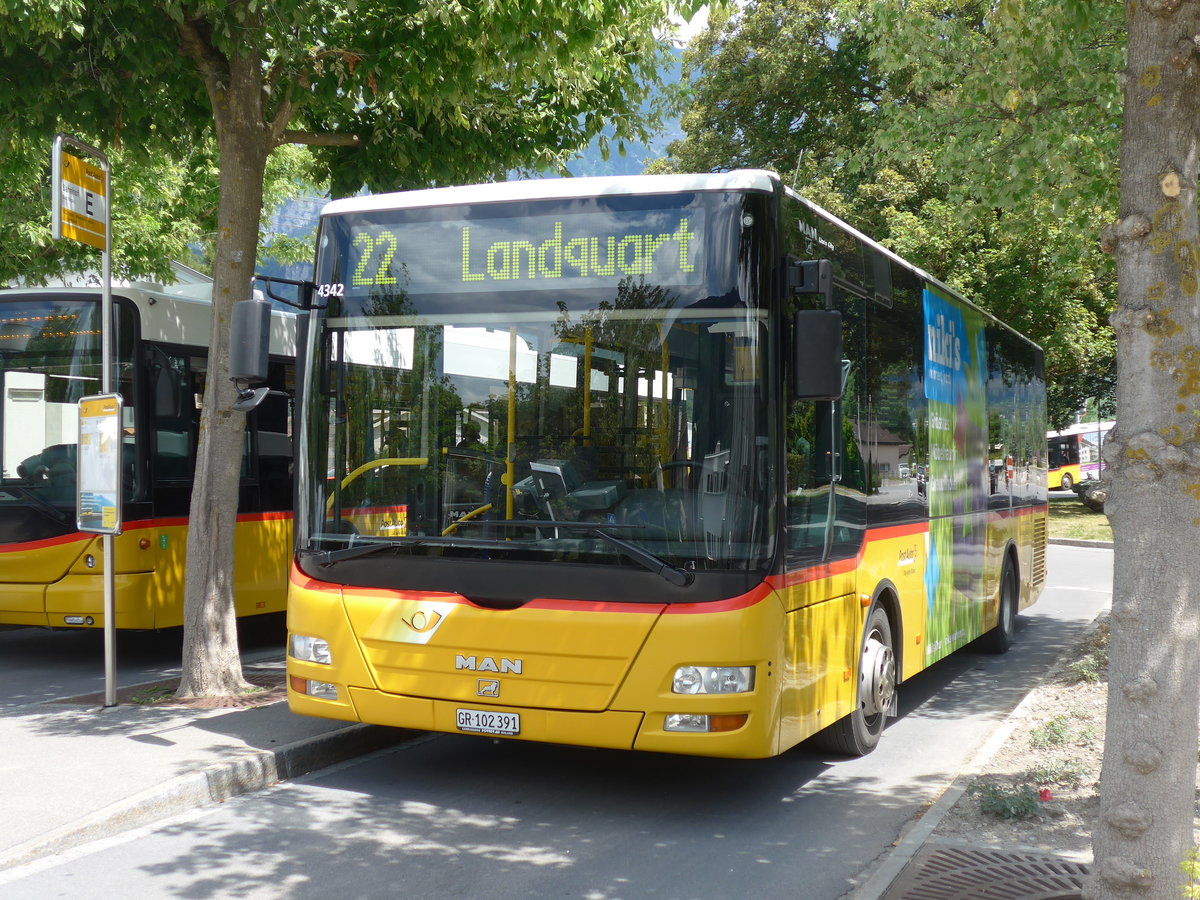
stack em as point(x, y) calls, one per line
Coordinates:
point(54, 470)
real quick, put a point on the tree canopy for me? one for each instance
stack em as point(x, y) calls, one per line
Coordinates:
point(164, 208)
point(1015, 109)
point(386, 96)
point(904, 119)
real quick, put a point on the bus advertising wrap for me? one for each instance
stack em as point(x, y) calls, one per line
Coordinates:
point(955, 386)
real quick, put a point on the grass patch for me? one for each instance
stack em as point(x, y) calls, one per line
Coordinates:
point(1054, 733)
point(156, 693)
point(1089, 735)
point(1090, 668)
point(1091, 661)
point(1069, 518)
point(1021, 802)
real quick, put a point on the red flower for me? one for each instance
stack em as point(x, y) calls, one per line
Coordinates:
point(1045, 795)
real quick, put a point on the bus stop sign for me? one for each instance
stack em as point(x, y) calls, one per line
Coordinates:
point(98, 499)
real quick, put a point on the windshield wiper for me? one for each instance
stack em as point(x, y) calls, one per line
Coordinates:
point(644, 558)
point(326, 557)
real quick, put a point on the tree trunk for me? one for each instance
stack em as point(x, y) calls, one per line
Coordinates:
point(211, 661)
point(1144, 830)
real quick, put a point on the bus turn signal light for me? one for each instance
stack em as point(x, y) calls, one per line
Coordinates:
point(322, 690)
point(705, 724)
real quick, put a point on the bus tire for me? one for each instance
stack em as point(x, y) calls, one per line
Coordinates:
point(858, 733)
point(1000, 638)
point(1067, 482)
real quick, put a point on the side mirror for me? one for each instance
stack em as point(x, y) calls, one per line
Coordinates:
point(249, 351)
point(817, 355)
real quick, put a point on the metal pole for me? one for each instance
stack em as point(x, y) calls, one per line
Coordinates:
point(106, 386)
point(110, 556)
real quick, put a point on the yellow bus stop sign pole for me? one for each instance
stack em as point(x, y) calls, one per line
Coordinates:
point(80, 211)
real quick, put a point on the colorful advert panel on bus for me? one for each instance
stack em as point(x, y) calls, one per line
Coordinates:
point(955, 386)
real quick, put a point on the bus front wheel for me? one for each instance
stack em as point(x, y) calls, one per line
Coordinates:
point(858, 733)
point(1067, 483)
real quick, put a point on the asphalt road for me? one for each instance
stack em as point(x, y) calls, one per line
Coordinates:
point(453, 816)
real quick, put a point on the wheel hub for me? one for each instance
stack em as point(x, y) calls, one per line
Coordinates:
point(878, 677)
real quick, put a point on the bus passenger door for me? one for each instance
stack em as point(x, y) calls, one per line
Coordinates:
point(821, 545)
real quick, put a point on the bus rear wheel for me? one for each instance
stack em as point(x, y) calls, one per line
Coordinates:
point(1067, 483)
point(1000, 638)
point(858, 733)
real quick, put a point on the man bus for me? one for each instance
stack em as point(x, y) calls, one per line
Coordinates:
point(680, 523)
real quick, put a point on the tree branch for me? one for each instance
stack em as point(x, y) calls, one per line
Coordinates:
point(279, 121)
point(320, 139)
point(194, 40)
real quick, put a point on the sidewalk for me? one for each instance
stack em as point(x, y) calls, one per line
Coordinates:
point(74, 771)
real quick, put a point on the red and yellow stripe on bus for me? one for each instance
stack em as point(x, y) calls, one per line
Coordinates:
point(57, 582)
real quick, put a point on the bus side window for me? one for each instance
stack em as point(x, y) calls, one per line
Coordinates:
point(894, 441)
point(807, 431)
point(826, 471)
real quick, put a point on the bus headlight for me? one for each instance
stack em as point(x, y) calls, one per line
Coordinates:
point(713, 680)
point(309, 649)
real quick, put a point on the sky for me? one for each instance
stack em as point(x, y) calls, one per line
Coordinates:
point(687, 30)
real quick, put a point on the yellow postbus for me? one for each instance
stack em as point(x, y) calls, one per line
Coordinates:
point(1073, 454)
point(671, 463)
point(50, 573)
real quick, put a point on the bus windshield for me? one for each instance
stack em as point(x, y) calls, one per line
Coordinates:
point(49, 359)
point(609, 410)
point(1063, 451)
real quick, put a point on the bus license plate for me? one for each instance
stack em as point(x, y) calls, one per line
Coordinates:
point(484, 722)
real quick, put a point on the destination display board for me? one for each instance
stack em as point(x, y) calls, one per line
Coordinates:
point(567, 250)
